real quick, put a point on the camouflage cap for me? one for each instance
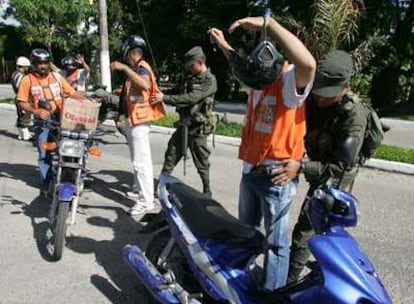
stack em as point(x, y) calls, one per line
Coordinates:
point(334, 71)
point(192, 55)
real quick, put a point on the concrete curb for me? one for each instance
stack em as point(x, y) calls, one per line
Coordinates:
point(385, 165)
point(390, 166)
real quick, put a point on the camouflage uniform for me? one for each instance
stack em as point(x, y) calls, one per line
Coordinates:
point(333, 141)
point(194, 107)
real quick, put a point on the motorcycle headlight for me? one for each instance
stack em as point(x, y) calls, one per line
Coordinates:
point(71, 148)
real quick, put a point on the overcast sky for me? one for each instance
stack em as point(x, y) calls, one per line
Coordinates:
point(8, 21)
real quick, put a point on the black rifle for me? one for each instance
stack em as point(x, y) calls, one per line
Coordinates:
point(183, 124)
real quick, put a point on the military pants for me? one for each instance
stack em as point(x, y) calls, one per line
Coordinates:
point(299, 251)
point(199, 152)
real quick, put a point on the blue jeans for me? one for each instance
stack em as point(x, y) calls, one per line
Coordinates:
point(44, 158)
point(258, 198)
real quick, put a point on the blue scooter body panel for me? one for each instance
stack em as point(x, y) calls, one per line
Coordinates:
point(148, 275)
point(66, 191)
point(226, 256)
point(349, 276)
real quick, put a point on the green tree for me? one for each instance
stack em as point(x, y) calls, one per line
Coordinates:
point(393, 65)
point(57, 24)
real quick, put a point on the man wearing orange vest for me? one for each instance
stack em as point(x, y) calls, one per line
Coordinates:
point(41, 84)
point(139, 86)
point(273, 132)
point(77, 77)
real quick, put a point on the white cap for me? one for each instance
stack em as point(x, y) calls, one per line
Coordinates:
point(23, 61)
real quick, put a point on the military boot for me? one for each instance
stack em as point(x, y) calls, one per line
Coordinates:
point(206, 188)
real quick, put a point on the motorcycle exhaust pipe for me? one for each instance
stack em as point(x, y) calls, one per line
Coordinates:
point(149, 275)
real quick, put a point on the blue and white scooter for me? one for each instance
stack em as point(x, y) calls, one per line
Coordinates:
point(202, 254)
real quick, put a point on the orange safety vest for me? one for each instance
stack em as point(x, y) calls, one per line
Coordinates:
point(75, 81)
point(38, 91)
point(139, 108)
point(271, 130)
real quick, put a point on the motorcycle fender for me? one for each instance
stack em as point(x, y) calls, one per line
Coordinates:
point(159, 222)
point(66, 191)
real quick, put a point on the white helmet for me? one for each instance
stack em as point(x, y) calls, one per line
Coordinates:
point(23, 61)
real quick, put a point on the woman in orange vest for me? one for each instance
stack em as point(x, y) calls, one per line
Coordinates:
point(273, 132)
point(139, 86)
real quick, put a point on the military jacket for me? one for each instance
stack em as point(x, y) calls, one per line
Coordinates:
point(333, 142)
point(196, 102)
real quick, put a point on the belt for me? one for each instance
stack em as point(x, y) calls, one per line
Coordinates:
point(262, 170)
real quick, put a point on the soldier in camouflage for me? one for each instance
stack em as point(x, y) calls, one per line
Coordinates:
point(336, 123)
point(194, 107)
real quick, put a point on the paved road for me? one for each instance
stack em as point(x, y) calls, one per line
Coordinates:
point(92, 270)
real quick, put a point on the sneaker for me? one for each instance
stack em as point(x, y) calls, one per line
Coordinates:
point(24, 134)
point(140, 208)
point(133, 194)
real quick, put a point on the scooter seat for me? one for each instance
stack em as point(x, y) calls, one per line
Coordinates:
point(208, 219)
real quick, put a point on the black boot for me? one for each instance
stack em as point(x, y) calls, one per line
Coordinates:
point(206, 189)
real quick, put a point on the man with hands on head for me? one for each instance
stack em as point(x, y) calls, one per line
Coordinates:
point(273, 131)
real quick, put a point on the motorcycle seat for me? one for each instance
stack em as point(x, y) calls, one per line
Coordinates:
point(208, 219)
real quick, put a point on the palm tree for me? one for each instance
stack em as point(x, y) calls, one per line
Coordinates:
point(334, 25)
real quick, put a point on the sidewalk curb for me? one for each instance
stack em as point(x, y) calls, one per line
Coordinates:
point(384, 165)
point(8, 106)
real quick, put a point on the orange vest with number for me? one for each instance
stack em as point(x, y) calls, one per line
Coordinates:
point(38, 91)
point(270, 129)
point(139, 108)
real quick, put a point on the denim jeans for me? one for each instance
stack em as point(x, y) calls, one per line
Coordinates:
point(44, 157)
point(260, 198)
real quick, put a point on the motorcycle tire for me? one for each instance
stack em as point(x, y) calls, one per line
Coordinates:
point(60, 230)
point(176, 263)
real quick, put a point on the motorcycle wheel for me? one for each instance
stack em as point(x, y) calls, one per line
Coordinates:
point(60, 230)
point(174, 262)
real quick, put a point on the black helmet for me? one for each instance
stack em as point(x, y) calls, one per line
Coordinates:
point(39, 56)
point(258, 69)
point(132, 42)
point(69, 63)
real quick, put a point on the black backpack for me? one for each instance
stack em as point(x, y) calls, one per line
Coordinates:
point(374, 133)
